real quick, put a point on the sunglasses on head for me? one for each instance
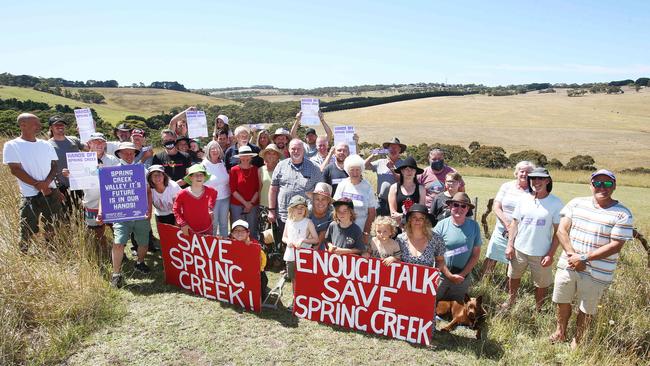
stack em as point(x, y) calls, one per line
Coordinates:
point(605, 184)
point(456, 205)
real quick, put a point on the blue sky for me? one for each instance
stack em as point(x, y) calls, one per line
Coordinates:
point(310, 44)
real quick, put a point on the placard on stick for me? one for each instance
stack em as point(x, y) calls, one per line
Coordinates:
point(309, 108)
point(345, 134)
point(123, 190)
point(197, 124)
point(211, 267)
point(85, 123)
point(396, 301)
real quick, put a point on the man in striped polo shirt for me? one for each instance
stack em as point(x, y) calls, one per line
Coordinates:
point(592, 232)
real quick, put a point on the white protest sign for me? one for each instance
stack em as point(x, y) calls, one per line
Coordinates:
point(345, 134)
point(85, 123)
point(83, 170)
point(309, 108)
point(197, 124)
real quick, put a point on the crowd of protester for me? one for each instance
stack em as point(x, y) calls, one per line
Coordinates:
point(314, 196)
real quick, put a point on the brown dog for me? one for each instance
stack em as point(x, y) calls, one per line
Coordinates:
point(468, 313)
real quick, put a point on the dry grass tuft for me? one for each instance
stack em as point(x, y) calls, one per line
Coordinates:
point(51, 297)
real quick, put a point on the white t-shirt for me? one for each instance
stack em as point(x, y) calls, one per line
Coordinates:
point(219, 178)
point(92, 196)
point(509, 194)
point(296, 231)
point(163, 203)
point(535, 219)
point(36, 160)
point(111, 146)
point(362, 196)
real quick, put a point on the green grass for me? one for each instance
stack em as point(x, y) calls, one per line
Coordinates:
point(120, 102)
point(167, 326)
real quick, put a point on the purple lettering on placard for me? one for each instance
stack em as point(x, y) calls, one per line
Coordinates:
point(352, 196)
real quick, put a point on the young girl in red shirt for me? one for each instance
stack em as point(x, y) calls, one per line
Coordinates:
point(194, 205)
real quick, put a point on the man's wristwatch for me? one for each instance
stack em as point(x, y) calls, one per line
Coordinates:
point(583, 258)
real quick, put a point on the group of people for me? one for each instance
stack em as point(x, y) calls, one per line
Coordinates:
point(317, 197)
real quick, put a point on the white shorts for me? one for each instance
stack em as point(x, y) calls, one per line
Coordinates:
point(572, 285)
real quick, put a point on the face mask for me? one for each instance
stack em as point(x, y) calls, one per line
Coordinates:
point(437, 165)
point(170, 145)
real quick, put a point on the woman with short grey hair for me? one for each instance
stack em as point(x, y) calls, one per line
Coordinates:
point(219, 180)
point(503, 206)
point(360, 192)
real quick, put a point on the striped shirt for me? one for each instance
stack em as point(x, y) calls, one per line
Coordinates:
point(591, 228)
point(509, 195)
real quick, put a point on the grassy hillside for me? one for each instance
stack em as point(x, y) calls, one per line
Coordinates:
point(120, 102)
point(614, 129)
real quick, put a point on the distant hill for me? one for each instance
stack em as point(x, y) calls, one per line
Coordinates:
point(120, 102)
point(613, 128)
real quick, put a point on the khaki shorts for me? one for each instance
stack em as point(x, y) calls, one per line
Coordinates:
point(572, 285)
point(542, 276)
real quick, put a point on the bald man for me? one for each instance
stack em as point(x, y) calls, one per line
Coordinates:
point(34, 163)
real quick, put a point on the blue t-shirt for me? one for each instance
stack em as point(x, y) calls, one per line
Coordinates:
point(460, 241)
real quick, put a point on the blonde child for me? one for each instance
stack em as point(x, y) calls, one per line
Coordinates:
point(299, 232)
point(381, 244)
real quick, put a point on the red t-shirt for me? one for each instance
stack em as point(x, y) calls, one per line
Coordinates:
point(244, 181)
point(194, 211)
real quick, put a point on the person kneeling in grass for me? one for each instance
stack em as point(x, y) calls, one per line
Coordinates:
point(194, 205)
point(299, 232)
point(343, 235)
point(240, 232)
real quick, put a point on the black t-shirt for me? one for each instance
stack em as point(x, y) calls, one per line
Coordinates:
point(332, 175)
point(175, 165)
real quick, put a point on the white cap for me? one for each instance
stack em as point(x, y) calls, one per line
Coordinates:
point(223, 117)
point(240, 222)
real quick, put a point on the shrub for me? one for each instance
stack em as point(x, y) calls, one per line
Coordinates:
point(555, 164)
point(531, 155)
point(489, 157)
point(581, 162)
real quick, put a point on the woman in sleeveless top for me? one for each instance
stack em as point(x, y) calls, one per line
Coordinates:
point(407, 191)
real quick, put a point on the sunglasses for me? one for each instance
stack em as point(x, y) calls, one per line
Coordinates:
point(537, 178)
point(456, 205)
point(599, 184)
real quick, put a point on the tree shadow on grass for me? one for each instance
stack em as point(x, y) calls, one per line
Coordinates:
point(154, 284)
point(442, 341)
point(465, 344)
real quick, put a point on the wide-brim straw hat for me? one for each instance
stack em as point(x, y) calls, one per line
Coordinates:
point(322, 189)
point(270, 148)
point(245, 151)
point(126, 146)
point(460, 197)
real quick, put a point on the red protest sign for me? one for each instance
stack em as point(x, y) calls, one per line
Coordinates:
point(396, 301)
point(212, 267)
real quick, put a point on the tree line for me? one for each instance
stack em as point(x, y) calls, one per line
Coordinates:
point(33, 81)
point(282, 115)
